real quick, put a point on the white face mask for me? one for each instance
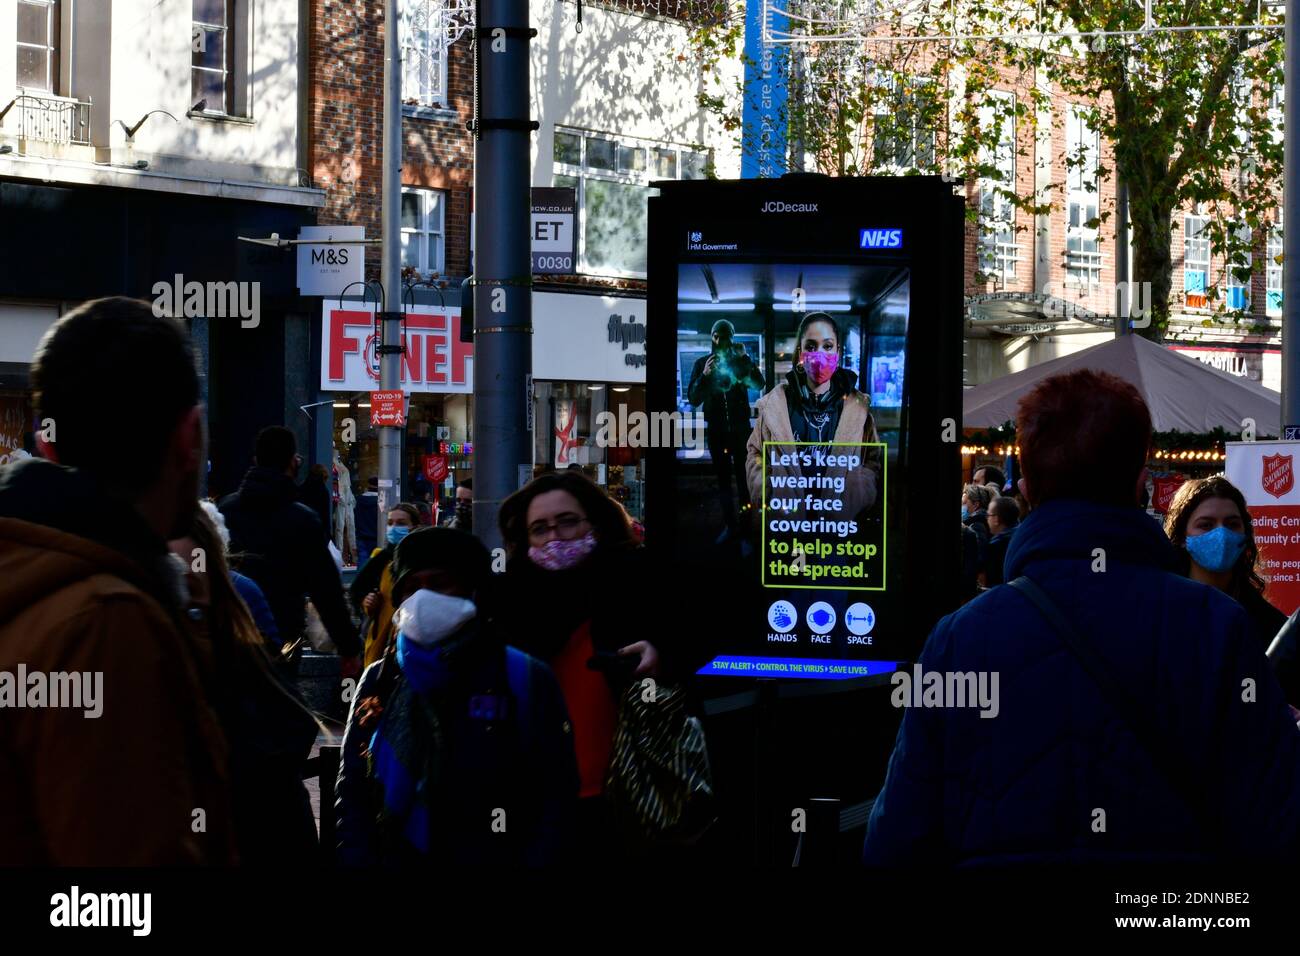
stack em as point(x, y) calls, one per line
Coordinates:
point(428, 617)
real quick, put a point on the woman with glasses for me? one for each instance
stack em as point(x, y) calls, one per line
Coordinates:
point(574, 575)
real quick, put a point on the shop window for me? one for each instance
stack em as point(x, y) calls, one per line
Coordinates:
point(423, 214)
point(611, 176)
point(424, 52)
point(38, 45)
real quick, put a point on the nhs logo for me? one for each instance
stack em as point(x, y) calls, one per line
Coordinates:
point(881, 239)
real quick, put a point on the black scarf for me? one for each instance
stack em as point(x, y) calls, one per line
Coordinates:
point(803, 404)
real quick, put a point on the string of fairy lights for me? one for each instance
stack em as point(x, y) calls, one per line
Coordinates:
point(1188, 455)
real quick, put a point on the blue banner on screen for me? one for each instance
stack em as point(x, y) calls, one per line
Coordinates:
point(806, 667)
point(763, 129)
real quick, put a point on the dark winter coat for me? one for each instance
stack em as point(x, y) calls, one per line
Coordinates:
point(523, 764)
point(282, 547)
point(1026, 784)
point(726, 409)
point(88, 587)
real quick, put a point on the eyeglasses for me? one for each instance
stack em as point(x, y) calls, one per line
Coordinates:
point(565, 527)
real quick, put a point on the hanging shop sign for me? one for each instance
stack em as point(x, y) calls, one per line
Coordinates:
point(435, 359)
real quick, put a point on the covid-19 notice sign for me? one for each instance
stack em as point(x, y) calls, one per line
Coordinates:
point(812, 494)
point(817, 337)
point(1265, 473)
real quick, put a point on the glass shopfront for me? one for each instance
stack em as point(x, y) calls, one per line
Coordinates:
point(589, 402)
point(581, 425)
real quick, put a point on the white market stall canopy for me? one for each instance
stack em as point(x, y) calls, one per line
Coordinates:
point(1182, 393)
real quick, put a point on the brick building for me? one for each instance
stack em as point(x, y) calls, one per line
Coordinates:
point(345, 129)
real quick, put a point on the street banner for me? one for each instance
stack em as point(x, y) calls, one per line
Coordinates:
point(1264, 471)
point(435, 468)
point(388, 408)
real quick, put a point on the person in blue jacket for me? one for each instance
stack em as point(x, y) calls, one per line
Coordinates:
point(1191, 754)
point(458, 749)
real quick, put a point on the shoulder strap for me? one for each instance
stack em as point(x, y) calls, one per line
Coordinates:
point(388, 676)
point(1168, 759)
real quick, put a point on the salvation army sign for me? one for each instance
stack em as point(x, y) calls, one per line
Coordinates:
point(435, 468)
point(1165, 488)
point(1276, 476)
point(1264, 472)
point(436, 360)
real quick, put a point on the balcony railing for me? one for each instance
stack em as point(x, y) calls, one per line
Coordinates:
point(46, 118)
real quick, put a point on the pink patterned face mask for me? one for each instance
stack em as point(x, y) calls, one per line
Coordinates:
point(557, 555)
point(820, 366)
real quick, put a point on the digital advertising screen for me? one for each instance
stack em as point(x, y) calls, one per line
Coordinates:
point(805, 356)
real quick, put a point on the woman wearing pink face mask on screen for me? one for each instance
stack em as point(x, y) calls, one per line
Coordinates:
point(817, 402)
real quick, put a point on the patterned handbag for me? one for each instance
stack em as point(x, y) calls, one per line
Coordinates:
point(659, 783)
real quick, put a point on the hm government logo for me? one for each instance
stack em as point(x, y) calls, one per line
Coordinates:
point(695, 242)
point(1278, 477)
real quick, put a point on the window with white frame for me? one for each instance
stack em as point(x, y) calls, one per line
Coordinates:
point(1273, 268)
point(612, 176)
point(424, 52)
point(1236, 287)
point(38, 45)
point(902, 131)
point(1196, 258)
point(1082, 247)
point(212, 56)
point(1276, 100)
point(998, 251)
point(1241, 92)
point(423, 224)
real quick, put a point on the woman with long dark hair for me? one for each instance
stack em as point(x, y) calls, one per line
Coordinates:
point(571, 596)
point(818, 402)
point(1209, 524)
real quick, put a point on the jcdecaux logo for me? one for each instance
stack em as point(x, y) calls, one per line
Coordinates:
point(881, 239)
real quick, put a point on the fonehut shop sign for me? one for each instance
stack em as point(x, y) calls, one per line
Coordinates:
point(578, 338)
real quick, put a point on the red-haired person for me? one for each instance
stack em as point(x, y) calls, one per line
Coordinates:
point(1099, 678)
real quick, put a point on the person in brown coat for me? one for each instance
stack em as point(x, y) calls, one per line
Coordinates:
point(93, 603)
point(818, 402)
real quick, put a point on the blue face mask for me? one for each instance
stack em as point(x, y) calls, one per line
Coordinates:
point(965, 512)
point(396, 533)
point(1217, 550)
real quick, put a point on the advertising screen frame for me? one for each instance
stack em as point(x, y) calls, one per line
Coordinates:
point(915, 221)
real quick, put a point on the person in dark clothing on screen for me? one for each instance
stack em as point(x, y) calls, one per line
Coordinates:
point(719, 385)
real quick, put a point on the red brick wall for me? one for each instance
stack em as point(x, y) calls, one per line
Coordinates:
point(346, 124)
